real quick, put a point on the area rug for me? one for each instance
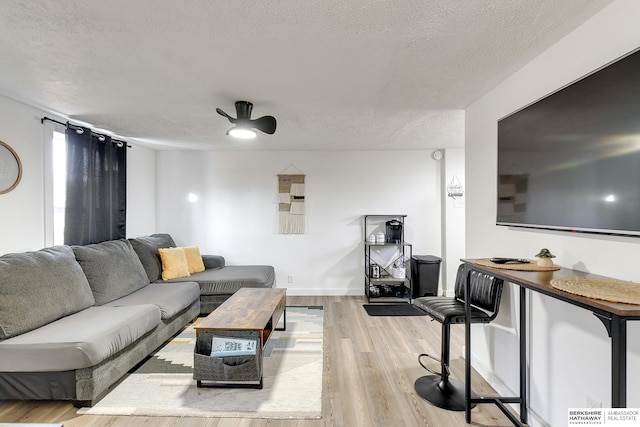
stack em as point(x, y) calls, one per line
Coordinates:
point(292, 379)
point(403, 309)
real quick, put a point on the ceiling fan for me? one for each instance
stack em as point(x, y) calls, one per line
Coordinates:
point(244, 125)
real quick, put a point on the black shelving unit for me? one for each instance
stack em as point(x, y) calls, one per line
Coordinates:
point(380, 285)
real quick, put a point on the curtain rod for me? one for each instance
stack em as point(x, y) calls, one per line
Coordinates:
point(92, 131)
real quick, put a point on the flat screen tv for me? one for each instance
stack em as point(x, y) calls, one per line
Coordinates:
point(571, 161)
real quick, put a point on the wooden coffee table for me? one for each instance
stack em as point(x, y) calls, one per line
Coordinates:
point(251, 313)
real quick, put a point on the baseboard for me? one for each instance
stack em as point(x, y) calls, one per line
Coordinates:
point(487, 374)
point(322, 292)
point(498, 385)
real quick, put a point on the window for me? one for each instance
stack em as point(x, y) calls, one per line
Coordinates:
point(59, 184)
point(54, 178)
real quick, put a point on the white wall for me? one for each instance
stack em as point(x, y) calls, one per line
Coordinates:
point(236, 214)
point(21, 210)
point(569, 348)
point(141, 191)
point(454, 220)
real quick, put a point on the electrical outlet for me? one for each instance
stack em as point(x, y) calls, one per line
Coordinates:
point(290, 278)
point(592, 402)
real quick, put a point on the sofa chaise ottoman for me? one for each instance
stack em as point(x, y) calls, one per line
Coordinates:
point(217, 282)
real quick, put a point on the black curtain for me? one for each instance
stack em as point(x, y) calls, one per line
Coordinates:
point(96, 203)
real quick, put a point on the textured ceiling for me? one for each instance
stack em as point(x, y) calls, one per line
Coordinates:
point(337, 74)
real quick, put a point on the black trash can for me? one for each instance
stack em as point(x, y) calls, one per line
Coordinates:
point(425, 273)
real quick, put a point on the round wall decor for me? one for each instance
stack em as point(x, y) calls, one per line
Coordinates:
point(10, 168)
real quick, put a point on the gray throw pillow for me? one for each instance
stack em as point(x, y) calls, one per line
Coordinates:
point(39, 287)
point(147, 249)
point(112, 268)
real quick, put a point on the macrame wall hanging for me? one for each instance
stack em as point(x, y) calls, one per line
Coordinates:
point(291, 208)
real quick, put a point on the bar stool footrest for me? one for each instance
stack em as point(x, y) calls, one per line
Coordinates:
point(426, 368)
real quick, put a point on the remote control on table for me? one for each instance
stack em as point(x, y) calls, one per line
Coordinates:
point(498, 260)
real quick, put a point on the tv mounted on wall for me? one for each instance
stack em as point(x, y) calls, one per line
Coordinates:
point(571, 161)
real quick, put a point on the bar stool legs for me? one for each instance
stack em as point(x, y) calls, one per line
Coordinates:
point(439, 389)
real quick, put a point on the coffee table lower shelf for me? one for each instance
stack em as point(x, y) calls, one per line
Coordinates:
point(231, 371)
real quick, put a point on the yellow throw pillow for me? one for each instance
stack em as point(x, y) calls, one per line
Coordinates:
point(194, 259)
point(174, 263)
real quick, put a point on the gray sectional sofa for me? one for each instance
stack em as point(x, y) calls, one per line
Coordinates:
point(74, 320)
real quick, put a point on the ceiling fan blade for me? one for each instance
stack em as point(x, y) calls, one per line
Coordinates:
point(222, 113)
point(266, 124)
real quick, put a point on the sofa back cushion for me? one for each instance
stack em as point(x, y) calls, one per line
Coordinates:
point(147, 249)
point(112, 268)
point(39, 287)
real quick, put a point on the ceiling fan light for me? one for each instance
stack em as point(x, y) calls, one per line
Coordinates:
point(241, 133)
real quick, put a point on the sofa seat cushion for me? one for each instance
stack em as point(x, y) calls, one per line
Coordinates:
point(40, 287)
point(227, 280)
point(78, 341)
point(112, 268)
point(171, 298)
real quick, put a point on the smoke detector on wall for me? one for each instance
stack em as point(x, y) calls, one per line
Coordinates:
point(437, 155)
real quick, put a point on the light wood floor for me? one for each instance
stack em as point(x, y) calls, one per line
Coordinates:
point(370, 367)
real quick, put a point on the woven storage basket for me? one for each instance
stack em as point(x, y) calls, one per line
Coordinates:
point(226, 370)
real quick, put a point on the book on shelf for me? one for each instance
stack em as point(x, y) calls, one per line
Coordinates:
point(228, 346)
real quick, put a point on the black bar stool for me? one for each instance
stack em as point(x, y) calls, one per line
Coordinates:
point(485, 293)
